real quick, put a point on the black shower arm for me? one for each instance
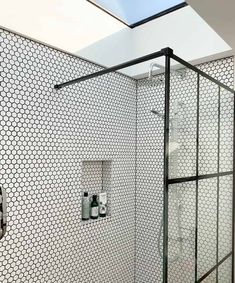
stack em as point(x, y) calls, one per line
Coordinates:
point(163, 52)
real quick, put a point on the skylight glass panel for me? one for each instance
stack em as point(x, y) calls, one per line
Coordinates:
point(132, 12)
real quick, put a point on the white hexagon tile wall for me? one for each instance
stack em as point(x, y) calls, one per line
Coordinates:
point(47, 135)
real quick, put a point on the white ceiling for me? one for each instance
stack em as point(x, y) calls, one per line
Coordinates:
point(79, 27)
point(183, 30)
point(66, 24)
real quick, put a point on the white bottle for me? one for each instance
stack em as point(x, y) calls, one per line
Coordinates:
point(85, 207)
point(103, 204)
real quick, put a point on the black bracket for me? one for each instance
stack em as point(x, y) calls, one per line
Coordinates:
point(167, 51)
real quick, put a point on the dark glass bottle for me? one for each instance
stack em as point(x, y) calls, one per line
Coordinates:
point(94, 207)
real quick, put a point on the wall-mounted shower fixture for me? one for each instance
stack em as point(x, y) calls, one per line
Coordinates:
point(175, 125)
point(151, 67)
point(3, 215)
point(151, 77)
point(179, 73)
point(174, 147)
point(175, 114)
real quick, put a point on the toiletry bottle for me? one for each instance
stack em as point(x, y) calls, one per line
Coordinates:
point(94, 207)
point(103, 204)
point(85, 207)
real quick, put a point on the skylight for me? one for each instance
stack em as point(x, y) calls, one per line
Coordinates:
point(137, 12)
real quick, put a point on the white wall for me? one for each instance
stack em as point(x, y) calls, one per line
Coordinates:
point(111, 50)
point(219, 15)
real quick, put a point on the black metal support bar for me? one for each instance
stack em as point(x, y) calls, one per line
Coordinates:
point(195, 69)
point(168, 52)
point(114, 68)
point(139, 60)
point(233, 203)
point(218, 188)
point(197, 173)
point(199, 177)
point(214, 268)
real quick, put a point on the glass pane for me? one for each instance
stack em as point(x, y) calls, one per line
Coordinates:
point(182, 163)
point(225, 216)
point(182, 213)
point(208, 127)
point(133, 11)
point(225, 271)
point(149, 178)
point(183, 124)
point(207, 225)
point(226, 130)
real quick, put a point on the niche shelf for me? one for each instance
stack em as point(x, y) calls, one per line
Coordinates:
point(96, 178)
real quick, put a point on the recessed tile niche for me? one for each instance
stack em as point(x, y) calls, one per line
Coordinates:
point(96, 178)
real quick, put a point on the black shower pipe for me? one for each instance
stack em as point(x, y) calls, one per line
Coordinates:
point(163, 52)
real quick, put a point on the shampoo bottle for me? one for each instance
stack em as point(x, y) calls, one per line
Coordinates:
point(103, 204)
point(94, 207)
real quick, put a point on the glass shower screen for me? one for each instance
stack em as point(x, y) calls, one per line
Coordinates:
point(200, 185)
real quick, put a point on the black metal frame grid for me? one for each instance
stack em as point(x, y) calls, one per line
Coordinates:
point(168, 53)
point(217, 175)
point(144, 21)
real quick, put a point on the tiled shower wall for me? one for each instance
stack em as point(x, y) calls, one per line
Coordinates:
point(45, 137)
point(149, 194)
